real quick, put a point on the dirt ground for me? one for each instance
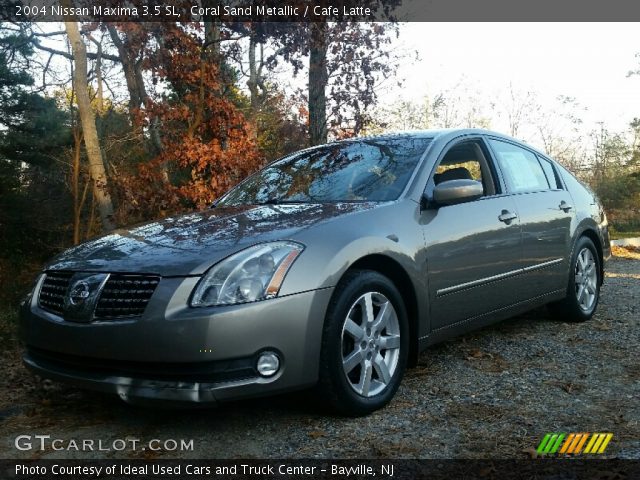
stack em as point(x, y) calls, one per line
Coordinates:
point(490, 394)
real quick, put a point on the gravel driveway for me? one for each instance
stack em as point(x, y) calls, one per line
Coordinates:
point(493, 393)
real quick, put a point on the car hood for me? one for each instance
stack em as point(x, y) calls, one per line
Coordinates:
point(191, 243)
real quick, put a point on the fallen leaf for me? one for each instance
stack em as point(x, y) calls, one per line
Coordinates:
point(532, 452)
point(486, 471)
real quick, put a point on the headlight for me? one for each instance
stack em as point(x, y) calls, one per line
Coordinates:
point(27, 298)
point(255, 273)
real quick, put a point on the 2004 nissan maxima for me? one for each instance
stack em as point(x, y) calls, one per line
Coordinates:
point(334, 266)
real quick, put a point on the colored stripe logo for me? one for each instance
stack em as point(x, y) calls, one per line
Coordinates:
point(574, 443)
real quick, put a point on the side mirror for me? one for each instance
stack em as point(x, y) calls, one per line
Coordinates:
point(451, 192)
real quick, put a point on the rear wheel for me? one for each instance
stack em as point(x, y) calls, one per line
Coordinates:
point(583, 289)
point(364, 344)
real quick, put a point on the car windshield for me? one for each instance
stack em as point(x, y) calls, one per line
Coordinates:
point(372, 170)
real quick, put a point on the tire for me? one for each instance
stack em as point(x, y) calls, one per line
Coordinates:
point(583, 290)
point(364, 350)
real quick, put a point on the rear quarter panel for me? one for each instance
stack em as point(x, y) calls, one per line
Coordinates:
point(590, 215)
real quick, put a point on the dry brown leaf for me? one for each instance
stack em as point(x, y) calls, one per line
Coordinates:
point(487, 471)
point(603, 327)
point(630, 253)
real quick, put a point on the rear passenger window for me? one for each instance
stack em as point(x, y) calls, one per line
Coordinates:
point(520, 167)
point(550, 173)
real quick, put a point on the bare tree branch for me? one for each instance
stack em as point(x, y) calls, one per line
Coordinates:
point(48, 34)
point(91, 55)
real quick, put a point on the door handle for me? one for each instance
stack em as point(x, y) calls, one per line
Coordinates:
point(564, 206)
point(506, 216)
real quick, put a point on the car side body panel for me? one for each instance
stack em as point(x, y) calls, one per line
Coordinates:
point(473, 259)
point(392, 231)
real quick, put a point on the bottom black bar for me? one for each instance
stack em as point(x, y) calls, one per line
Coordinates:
point(557, 469)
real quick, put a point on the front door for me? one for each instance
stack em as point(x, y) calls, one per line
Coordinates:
point(473, 248)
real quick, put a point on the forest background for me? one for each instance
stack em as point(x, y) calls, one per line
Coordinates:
point(104, 125)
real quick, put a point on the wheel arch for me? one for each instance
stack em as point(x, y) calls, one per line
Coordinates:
point(592, 235)
point(394, 271)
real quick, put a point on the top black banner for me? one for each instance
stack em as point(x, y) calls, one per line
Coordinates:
point(318, 11)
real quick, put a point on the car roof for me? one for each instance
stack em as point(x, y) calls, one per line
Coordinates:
point(435, 133)
point(439, 134)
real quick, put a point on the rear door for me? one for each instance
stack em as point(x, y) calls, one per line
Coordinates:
point(546, 211)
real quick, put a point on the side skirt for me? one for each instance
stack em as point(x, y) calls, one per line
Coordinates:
point(445, 333)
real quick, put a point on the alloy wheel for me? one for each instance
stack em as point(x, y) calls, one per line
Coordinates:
point(370, 344)
point(586, 279)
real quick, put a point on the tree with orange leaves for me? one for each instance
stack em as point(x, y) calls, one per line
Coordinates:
point(207, 145)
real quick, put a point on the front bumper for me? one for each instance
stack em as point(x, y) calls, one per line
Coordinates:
point(179, 354)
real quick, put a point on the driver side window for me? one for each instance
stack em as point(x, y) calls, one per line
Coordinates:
point(466, 160)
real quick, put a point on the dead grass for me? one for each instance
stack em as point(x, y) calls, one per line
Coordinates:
point(8, 324)
point(630, 253)
point(14, 379)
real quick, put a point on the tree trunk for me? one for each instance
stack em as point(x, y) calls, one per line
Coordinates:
point(137, 97)
point(100, 92)
point(128, 67)
point(318, 78)
point(212, 40)
point(90, 133)
point(252, 83)
point(78, 200)
point(256, 83)
point(137, 91)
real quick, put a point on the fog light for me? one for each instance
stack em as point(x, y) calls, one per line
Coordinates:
point(268, 364)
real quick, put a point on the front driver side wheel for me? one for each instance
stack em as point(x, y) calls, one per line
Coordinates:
point(364, 345)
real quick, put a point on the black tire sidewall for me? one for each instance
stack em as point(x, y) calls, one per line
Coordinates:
point(575, 311)
point(332, 376)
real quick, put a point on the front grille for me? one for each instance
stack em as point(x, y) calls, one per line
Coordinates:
point(53, 291)
point(125, 296)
